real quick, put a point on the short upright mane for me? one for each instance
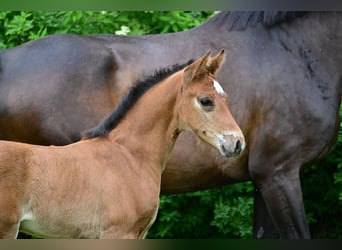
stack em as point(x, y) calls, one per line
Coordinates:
point(240, 20)
point(128, 101)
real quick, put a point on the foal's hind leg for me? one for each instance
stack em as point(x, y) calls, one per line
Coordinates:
point(9, 222)
point(8, 230)
point(9, 215)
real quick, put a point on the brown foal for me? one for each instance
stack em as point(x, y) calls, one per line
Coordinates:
point(108, 184)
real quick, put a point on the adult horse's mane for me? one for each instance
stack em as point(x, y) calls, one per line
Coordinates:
point(127, 102)
point(240, 20)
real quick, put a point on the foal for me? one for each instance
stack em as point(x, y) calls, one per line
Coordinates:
point(108, 184)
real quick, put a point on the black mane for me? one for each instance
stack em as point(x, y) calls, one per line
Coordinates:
point(240, 20)
point(128, 101)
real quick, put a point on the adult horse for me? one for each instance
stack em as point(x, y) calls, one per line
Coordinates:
point(285, 90)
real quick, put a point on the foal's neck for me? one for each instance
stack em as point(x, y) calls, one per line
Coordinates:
point(150, 128)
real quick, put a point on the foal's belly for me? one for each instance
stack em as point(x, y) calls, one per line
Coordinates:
point(51, 230)
point(113, 214)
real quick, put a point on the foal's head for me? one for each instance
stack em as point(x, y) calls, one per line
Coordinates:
point(203, 107)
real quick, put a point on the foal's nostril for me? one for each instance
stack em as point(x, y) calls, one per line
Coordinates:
point(237, 147)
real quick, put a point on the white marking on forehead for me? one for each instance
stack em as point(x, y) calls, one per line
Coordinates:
point(218, 88)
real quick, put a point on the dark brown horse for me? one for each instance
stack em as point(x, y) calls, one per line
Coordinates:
point(284, 81)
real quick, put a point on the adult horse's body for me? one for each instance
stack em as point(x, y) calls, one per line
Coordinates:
point(284, 80)
point(108, 185)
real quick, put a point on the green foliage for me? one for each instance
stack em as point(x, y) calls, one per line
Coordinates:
point(17, 27)
point(233, 216)
point(219, 213)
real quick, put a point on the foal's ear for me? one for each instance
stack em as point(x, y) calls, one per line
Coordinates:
point(216, 62)
point(197, 68)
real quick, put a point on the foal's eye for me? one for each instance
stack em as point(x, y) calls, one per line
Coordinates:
point(206, 102)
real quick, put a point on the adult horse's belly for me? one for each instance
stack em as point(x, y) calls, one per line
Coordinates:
point(194, 165)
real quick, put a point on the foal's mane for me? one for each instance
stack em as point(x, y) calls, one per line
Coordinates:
point(240, 20)
point(127, 102)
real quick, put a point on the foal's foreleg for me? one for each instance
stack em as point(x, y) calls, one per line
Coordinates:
point(116, 233)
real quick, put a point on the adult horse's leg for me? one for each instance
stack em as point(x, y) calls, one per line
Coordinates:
point(263, 226)
point(282, 194)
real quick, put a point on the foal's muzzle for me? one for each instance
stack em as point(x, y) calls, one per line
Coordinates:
point(231, 144)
